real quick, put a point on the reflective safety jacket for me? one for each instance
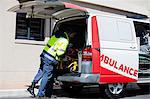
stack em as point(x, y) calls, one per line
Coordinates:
point(59, 48)
point(51, 41)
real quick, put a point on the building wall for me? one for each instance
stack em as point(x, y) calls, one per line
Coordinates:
point(137, 6)
point(141, 3)
point(18, 61)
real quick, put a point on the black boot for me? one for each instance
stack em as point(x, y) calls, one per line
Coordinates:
point(31, 89)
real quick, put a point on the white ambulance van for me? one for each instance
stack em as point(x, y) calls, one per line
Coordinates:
point(107, 48)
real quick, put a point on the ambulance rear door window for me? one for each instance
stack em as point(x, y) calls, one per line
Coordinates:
point(107, 28)
point(125, 31)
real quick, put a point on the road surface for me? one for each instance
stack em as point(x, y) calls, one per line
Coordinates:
point(86, 93)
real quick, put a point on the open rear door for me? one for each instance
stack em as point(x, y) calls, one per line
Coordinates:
point(119, 51)
point(115, 52)
point(48, 9)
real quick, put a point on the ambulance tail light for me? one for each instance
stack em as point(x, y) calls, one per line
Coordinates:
point(87, 54)
point(86, 67)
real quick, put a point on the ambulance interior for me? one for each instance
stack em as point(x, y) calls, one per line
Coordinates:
point(77, 27)
point(143, 38)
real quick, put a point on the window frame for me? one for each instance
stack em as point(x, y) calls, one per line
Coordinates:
point(30, 32)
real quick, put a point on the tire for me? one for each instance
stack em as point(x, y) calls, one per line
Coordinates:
point(71, 88)
point(115, 91)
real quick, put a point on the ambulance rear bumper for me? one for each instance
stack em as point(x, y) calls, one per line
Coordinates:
point(80, 78)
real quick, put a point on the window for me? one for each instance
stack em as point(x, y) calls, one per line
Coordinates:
point(142, 31)
point(125, 31)
point(115, 29)
point(29, 28)
point(108, 29)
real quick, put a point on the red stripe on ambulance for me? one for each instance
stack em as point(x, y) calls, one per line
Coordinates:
point(95, 44)
point(113, 77)
point(121, 67)
point(108, 76)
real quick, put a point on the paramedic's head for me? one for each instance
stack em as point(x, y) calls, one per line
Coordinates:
point(57, 34)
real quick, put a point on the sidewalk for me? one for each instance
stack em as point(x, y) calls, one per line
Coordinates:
point(18, 93)
point(14, 93)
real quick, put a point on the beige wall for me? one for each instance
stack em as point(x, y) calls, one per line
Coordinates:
point(18, 62)
point(137, 6)
point(142, 3)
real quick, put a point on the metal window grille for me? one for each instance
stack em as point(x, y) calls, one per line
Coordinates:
point(29, 28)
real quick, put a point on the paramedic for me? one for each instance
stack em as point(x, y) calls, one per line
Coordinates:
point(51, 56)
point(39, 74)
point(48, 88)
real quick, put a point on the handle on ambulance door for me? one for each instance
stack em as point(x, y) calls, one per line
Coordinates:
point(132, 47)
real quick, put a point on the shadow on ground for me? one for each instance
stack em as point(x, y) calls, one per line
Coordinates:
point(94, 93)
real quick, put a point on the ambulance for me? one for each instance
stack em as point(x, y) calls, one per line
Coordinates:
point(108, 45)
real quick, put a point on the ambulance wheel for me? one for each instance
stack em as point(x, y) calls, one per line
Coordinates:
point(116, 90)
point(71, 88)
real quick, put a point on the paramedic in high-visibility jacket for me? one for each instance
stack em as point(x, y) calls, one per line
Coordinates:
point(39, 74)
point(51, 56)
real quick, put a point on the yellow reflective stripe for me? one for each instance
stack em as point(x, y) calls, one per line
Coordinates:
point(62, 47)
point(58, 45)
